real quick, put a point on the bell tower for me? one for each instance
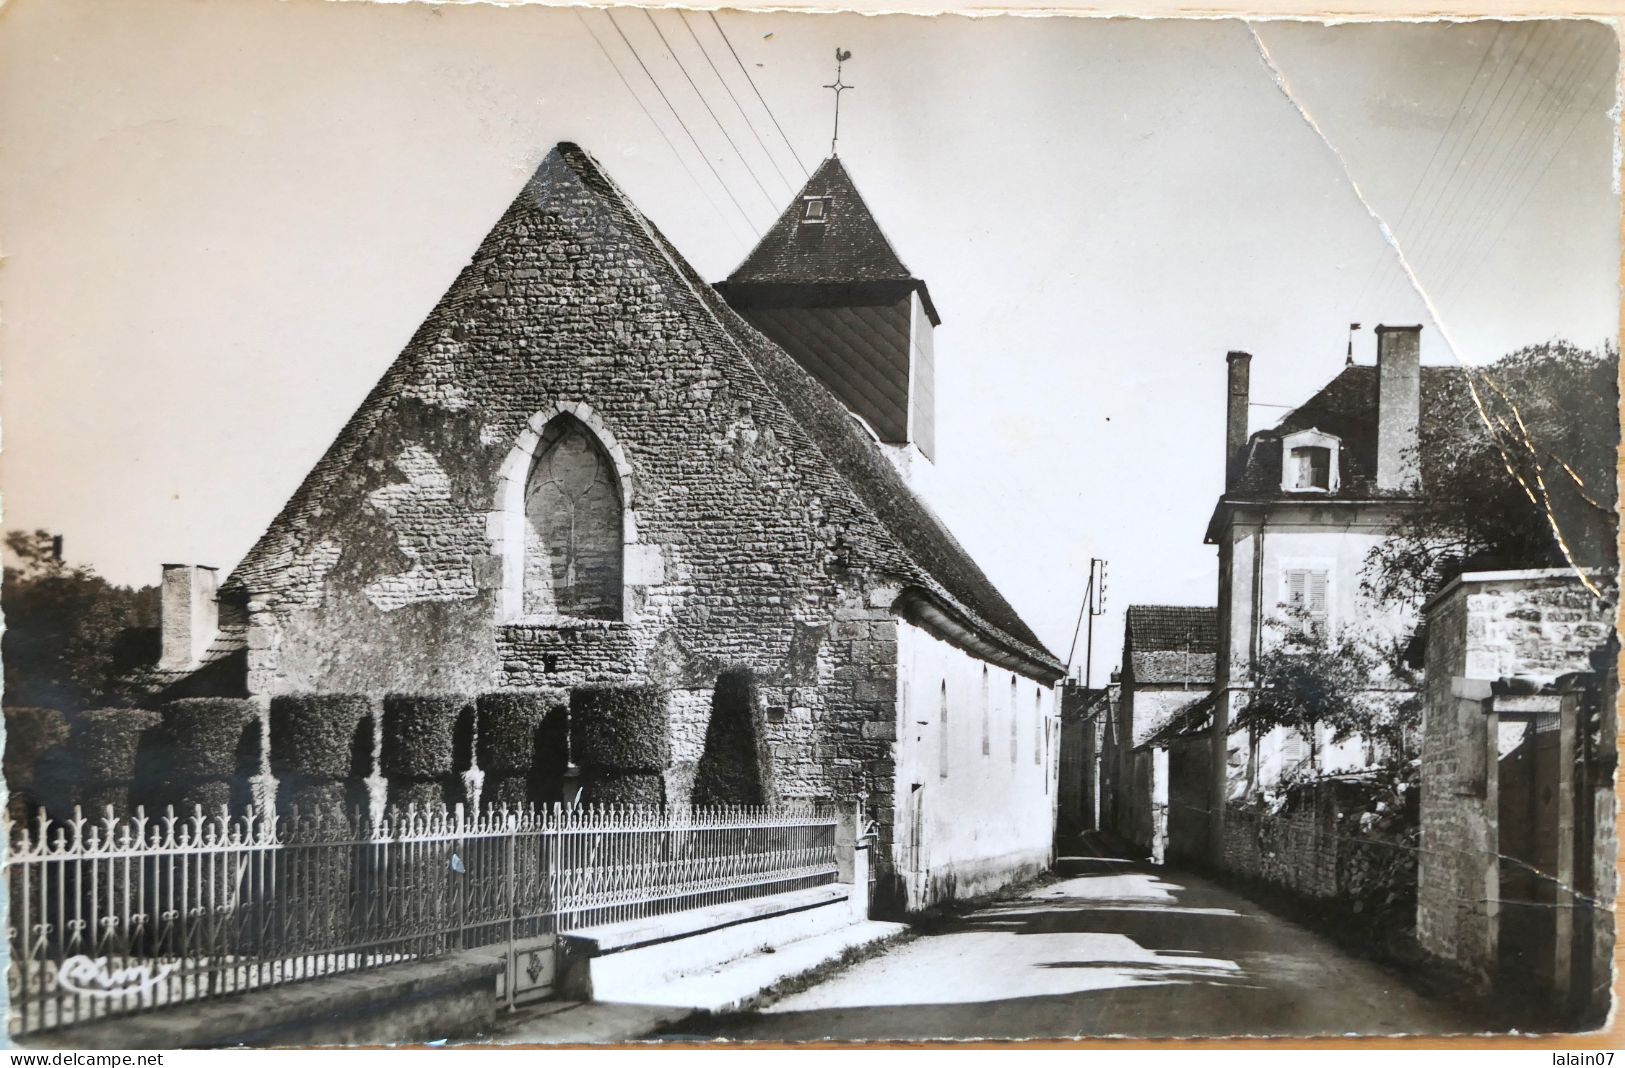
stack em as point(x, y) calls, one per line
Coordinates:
point(827, 287)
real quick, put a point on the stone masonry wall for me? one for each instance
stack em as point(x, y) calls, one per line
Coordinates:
point(1484, 628)
point(739, 550)
point(1294, 850)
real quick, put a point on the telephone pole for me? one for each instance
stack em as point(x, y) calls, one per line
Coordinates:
point(1094, 604)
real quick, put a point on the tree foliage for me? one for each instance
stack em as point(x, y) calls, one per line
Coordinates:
point(70, 634)
point(1519, 466)
point(1309, 677)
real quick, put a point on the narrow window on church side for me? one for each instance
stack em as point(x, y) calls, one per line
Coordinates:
point(987, 717)
point(1038, 718)
point(573, 541)
point(1015, 717)
point(942, 733)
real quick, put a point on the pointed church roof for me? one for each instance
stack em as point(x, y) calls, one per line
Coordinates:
point(886, 527)
point(843, 247)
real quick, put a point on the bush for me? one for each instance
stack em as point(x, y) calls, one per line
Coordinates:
point(519, 728)
point(419, 735)
point(213, 737)
point(506, 789)
point(331, 802)
point(321, 736)
point(538, 787)
point(734, 767)
point(39, 766)
point(626, 728)
point(211, 794)
point(606, 787)
point(425, 793)
point(109, 741)
point(30, 732)
point(94, 799)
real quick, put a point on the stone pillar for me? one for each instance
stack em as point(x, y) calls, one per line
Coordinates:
point(852, 842)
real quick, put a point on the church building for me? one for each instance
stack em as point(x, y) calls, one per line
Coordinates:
point(589, 466)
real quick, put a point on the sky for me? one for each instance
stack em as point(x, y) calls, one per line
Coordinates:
point(222, 222)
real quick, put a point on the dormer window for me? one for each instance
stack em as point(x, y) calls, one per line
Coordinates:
point(1311, 467)
point(1309, 462)
point(815, 209)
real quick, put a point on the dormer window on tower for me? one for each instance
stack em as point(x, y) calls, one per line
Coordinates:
point(1309, 462)
point(814, 209)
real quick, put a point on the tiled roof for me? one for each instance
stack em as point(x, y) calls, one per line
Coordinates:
point(898, 533)
point(1170, 644)
point(908, 520)
point(1190, 720)
point(219, 669)
point(846, 247)
point(1347, 408)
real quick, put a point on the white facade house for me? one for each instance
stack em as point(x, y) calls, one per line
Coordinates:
point(1304, 504)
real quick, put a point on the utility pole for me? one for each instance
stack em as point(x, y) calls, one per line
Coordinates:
point(1094, 604)
point(1097, 607)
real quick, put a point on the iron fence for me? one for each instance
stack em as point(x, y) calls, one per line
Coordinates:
point(112, 916)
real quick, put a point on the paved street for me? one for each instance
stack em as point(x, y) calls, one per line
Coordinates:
point(1112, 948)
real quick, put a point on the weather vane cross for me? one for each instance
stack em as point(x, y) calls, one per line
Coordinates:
point(841, 56)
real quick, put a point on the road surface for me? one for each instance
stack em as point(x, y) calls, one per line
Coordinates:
point(1111, 948)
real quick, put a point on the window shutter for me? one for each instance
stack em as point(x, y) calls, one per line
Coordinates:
point(1317, 594)
point(1296, 587)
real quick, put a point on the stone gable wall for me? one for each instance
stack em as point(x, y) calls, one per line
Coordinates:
point(738, 544)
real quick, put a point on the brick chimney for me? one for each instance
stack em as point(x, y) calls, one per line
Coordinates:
point(1235, 414)
point(1399, 400)
point(189, 615)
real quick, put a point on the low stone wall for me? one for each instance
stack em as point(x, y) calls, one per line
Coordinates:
point(1328, 846)
point(451, 997)
point(1296, 851)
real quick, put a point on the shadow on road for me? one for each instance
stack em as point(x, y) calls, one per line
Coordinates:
point(1108, 947)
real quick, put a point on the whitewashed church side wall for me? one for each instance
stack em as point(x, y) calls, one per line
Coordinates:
point(976, 779)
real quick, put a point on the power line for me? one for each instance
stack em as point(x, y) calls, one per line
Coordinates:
point(1519, 162)
point(675, 114)
point(1505, 220)
point(1450, 174)
point(1422, 175)
point(758, 92)
point(1485, 166)
point(1497, 183)
point(712, 200)
point(1529, 190)
point(1432, 221)
point(772, 205)
point(788, 185)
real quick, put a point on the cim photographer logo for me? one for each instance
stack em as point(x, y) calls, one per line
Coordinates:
point(92, 976)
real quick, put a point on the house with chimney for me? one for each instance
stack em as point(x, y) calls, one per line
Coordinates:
point(1304, 503)
point(1167, 667)
point(590, 466)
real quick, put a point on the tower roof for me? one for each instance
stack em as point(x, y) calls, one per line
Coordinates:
point(841, 246)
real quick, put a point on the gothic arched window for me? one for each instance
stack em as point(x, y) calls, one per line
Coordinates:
point(573, 526)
